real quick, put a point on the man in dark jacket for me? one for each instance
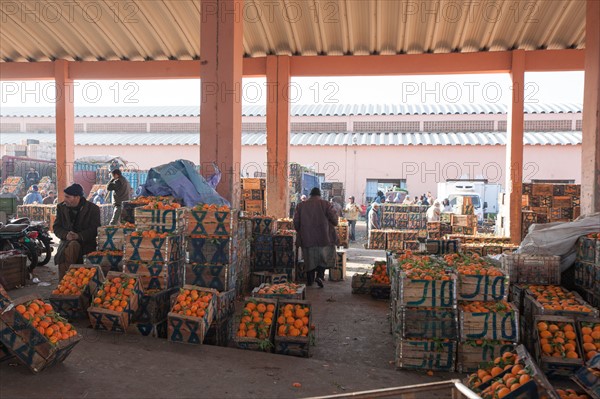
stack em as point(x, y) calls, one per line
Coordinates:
point(315, 221)
point(76, 225)
point(120, 187)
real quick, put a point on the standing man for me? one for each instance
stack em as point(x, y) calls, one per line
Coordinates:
point(49, 199)
point(33, 196)
point(33, 177)
point(351, 212)
point(373, 220)
point(120, 186)
point(315, 221)
point(76, 225)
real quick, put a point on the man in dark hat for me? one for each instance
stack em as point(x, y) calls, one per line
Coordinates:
point(315, 221)
point(76, 225)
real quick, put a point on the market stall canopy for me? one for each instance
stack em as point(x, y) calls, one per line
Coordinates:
point(101, 159)
point(141, 30)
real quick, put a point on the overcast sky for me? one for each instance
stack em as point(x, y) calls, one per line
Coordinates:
point(454, 89)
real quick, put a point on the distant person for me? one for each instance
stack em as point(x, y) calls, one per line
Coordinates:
point(33, 196)
point(430, 198)
point(351, 212)
point(446, 206)
point(303, 198)
point(424, 200)
point(315, 221)
point(113, 165)
point(120, 188)
point(76, 225)
point(417, 201)
point(49, 199)
point(98, 198)
point(373, 222)
point(433, 213)
point(32, 177)
point(380, 198)
point(407, 200)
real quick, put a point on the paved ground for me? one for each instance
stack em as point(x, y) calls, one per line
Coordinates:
point(354, 351)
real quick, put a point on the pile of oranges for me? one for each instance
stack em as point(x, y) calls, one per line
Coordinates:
point(590, 334)
point(115, 293)
point(594, 235)
point(106, 253)
point(211, 207)
point(554, 297)
point(422, 267)
point(74, 281)
point(126, 225)
point(257, 318)
point(279, 289)
point(149, 234)
point(46, 321)
point(486, 307)
point(558, 339)
point(293, 320)
point(161, 205)
point(471, 265)
point(516, 376)
point(570, 394)
point(380, 275)
point(192, 302)
point(146, 200)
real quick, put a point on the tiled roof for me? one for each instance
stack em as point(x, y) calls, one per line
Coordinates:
point(301, 110)
point(310, 138)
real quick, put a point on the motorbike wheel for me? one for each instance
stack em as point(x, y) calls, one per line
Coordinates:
point(47, 254)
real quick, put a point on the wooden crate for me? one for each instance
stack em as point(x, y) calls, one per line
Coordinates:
point(532, 269)
point(259, 278)
point(426, 354)
point(586, 274)
point(157, 276)
point(255, 344)
point(343, 234)
point(254, 207)
point(588, 379)
point(532, 307)
point(147, 329)
point(442, 247)
point(212, 223)
point(253, 183)
point(586, 322)
point(377, 239)
point(293, 346)
point(111, 320)
point(264, 226)
point(27, 344)
point(225, 305)
point(154, 308)
point(75, 306)
point(338, 273)
point(13, 270)
point(298, 295)
point(189, 329)
point(473, 355)
point(427, 293)
point(218, 277)
point(161, 220)
point(493, 325)
point(158, 249)
point(517, 296)
point(108, 261)
point(423, 323)
point(112, 238)
point(555, 366)
point(361, 283)
point(482, 288)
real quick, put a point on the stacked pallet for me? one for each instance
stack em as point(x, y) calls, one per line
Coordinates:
point(464, 224)
point(244, 256)
point(488, 323)
point(587, 268)
point(263, 229)
point(547, 203)
point(284, 251)
point(424, 315)
point(253, 201)
point(404, 217)
point(342, 231)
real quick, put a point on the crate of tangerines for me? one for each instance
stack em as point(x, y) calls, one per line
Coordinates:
point(73, 295)
point(257, 325)
point(478, 279)
point(589, 337)
point(192, 311)
point(37, 335)
point(557, 347)
point(294, 328)
point(161, 216)
point(280, 291)
point(514, 375)
point(380, 281)
point(115, 303)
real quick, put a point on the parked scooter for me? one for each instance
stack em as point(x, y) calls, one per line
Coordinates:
point(43, 240)
point(18, 237)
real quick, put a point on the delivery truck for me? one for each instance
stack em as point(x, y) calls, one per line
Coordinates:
point(483, 195)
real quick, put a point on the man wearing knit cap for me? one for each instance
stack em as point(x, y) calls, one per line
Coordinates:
point(76, 225)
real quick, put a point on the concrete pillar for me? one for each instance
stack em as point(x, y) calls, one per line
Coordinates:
point(65, 127)
point(590, 157)
point(514, 145)
point(278, 135)
point(221, 52)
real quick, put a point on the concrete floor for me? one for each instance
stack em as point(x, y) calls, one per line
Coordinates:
point(354, 351)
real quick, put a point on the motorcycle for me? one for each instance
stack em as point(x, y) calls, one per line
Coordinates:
point(32, 238)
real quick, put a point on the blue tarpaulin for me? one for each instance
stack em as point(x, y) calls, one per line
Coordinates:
point(180, 179)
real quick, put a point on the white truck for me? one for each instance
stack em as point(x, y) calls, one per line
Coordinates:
point(484, 195)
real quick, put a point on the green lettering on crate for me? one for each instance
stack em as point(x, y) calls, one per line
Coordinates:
point(511, 321)
point(498, 294)
point(424, 293)
point(447, 300)
point(483, 333)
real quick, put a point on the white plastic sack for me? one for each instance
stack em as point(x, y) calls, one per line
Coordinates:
point(559, 238)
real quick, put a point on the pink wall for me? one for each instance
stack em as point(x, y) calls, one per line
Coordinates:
point(422, 166)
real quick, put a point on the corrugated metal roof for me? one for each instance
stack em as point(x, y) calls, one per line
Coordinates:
point(301, 110)
point(160, 30)
point(310, 138)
